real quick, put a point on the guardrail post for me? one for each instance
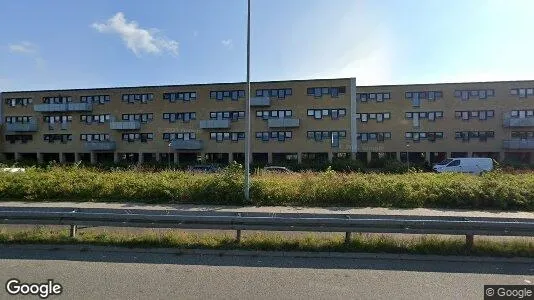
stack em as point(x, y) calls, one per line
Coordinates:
point(73, 229)
point(238, 232)
point(348, 236)
point(238, 236)
point(469, 240)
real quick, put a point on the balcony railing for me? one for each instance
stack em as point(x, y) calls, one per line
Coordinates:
point(186, 144)
point(21, 127)
point(215, 124)
point(518, 122)
point(260, 101)
point(125, 125)
point(518, 144)
point(63, 107)
point(100, 146)
point(283, 122)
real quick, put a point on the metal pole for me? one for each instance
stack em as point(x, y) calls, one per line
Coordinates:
point(73, 230)
point(247, 114)
point(408, 155)
point(169, 154)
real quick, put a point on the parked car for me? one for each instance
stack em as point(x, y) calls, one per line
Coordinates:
point(277, 169)
point(203, 168)
point(13, 170)
point(471, 165)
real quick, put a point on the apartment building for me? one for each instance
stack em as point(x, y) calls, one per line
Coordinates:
point(299, 120)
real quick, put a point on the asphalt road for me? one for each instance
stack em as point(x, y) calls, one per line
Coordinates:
point(199, 209)
point(135, 275)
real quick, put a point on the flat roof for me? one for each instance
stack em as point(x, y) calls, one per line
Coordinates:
point(260, 82)
point(443, 83)
point(175, 85)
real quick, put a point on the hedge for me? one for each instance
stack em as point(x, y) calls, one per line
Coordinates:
point(493, 190)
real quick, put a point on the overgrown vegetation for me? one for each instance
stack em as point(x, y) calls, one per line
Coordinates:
point(273, 242)
point(495, 190)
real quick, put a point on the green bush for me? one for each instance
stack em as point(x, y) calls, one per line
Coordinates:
point(495, 190)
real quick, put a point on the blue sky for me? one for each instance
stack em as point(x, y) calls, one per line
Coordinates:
point(73, 44)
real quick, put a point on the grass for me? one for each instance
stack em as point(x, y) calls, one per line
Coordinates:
point(496, 190)
point(273, 242)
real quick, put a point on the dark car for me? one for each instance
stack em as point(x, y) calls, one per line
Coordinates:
point(277, 169)
point(204, 168)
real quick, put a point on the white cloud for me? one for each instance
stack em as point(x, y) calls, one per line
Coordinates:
point(228, 43)
point(29, 49)
point(137, 39)
point(23, 47)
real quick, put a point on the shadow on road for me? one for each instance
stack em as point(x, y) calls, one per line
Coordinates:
point(220, 258)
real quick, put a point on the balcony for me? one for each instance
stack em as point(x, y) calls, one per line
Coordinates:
point(260, 101)
point(518, 144)
point(100, 146)
point(63, 107)
point(518, 122)
point(21, 127)
point(215, 124)
point(283, 123)
point(186, 145)
point(125, 125)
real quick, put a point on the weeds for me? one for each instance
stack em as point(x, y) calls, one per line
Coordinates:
point(277, 242)
point(496, 190)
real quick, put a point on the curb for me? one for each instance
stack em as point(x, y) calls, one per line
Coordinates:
point(255, 253)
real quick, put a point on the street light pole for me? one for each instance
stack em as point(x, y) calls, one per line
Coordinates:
point(408, 154)
point(169, 154)
point(247, 113)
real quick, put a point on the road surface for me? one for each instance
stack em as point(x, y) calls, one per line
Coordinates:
point(99, 274)
point(267, 209)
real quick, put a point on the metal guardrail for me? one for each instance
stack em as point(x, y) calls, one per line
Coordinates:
point(277, 222)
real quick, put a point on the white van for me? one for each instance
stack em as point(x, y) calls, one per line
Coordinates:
point(472, 165)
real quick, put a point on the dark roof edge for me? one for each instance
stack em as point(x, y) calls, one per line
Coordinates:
point(442, 83)
point(173, 85)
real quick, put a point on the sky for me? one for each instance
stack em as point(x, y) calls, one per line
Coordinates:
point(61, 44)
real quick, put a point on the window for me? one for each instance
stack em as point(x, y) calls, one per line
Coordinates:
point(425, 135)
point(318, 92)
point(222, 136)
point(18, 119)
point(134, 137)
point(180, 96)
point(94, 137)
point(332, 136)
point(143, 118)
point(274, 114)
point(466, 136)
point(140, 98)
point(181, 116)
point(454, 163)
point(52, 138)
point(233, 95)
point(171, 136)
point(280, 136)
point(98, 99)
point(378, 136)
point(12, 102)
point(472, 94)
point(278, 93)
point(23, 138)
point(57, 100)
point(474, 114)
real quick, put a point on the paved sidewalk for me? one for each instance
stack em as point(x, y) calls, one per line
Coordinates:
point(274, 209)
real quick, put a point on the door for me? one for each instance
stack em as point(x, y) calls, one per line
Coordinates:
point(453, 166)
